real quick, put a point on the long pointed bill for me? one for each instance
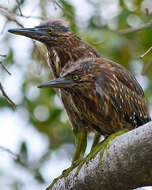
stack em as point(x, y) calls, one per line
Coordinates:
point(57, 83)
point(34, 33)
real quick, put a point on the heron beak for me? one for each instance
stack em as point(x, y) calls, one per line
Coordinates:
point(34, 33)
point(57, 83)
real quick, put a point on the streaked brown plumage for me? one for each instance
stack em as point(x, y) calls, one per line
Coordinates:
point(63, 46)
point(112, 101)
point(108, 98)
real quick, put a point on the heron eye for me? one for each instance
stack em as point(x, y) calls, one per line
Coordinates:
point(50, 31)
point(75, 77)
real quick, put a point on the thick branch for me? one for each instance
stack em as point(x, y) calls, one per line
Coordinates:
point(128, 166)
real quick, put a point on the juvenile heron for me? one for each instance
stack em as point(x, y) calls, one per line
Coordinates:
point(98, 94)
point(63, 46)
point(107, 96)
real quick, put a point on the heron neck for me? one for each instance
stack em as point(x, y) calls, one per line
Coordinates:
point(62, 54)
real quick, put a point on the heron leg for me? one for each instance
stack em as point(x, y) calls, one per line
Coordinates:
point(96, 147)
point(78, 158)
point(105, 144)
point(81, 143)
point(95, 140)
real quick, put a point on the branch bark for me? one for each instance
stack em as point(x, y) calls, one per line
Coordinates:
point(128, 166)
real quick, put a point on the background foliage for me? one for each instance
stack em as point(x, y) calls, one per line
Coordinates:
point(45, 132)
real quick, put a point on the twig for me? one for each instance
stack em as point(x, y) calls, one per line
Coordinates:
point(55, 2)
point(9, 151)
point(19, 8)
point(131, 30)
point(5, 68)
point(146, 67)
point(62, 8)
point(10, 16)
point(17, 157)
point(2, 89)
point(143, 55)
point(7, 98)
point(21, 15)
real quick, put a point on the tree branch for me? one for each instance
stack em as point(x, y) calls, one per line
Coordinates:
point(135, 29)
point(7, 98)
point(2, 89)
point(127, 166)
point(144, 54)
point(4, 67)
point(146, 67)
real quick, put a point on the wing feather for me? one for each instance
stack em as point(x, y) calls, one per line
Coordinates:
point(124, 92)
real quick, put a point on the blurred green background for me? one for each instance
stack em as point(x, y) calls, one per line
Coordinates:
point(38, 130)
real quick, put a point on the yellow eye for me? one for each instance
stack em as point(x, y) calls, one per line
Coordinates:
point(75, 77)
point(50, 30)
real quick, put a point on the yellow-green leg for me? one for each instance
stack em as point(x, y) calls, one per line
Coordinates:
point(80, 147)
point(96, 147)
point(100, 146)
point(81, 143)
point(95, 140)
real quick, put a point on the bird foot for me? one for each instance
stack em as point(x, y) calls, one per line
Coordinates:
point(65, 173)
point(90, 156)
point(54, 181)
point(105, 144)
